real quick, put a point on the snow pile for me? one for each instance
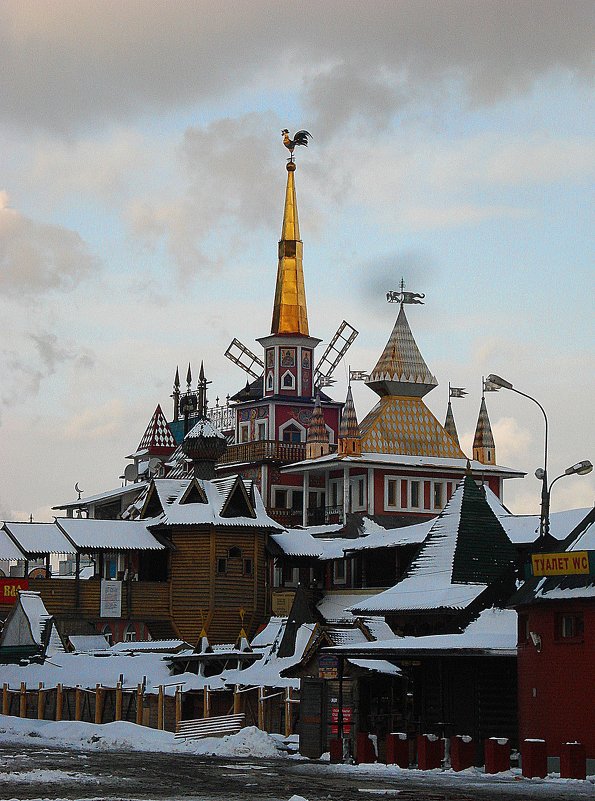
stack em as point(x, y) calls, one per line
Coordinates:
point(121, 735)
point(47, 777)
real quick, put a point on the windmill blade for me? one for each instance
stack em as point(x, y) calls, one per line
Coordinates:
point(242, 356)
point(336, 349)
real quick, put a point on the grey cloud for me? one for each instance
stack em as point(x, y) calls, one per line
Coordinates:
point(36, 257)
point(83, 62)
point(378, 277)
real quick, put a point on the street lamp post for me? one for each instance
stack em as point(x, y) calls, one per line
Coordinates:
point(578, 469)
point(544, 515)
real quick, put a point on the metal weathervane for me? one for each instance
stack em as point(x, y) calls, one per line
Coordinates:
point(404, 297)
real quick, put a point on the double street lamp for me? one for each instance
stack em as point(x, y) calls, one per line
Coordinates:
point(580, 468)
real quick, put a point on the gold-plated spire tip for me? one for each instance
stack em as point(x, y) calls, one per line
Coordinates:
point(291, 166)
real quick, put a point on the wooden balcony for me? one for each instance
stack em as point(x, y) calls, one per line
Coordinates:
point(264, 450)
point(149, 600)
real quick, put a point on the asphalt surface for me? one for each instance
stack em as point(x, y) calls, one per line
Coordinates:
point(30, 772)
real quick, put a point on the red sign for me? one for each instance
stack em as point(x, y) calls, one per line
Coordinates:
point(347, 718)
point(9, 588)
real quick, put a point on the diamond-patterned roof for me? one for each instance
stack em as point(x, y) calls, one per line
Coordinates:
point(401, 369)
point(406, 426)
point(483, 431)
point(349, 426)
point(157, 437)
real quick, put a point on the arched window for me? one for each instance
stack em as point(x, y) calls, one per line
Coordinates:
point(292, 433)
point(108, 634)
point(130, 633)
point(288, 380)
point(234, 553)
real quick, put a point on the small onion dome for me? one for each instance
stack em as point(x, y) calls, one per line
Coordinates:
point(204, 442)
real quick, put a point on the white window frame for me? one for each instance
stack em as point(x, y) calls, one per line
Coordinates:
point(397, 503)
point(270, 384)
point(336, 578)
point(261, 424)
point(331, 434)
point(338, 483)
point(287, 386)
point(295, 423)
point(244, 427)
point(357, 486)
point(420, 494)
point(443, 492)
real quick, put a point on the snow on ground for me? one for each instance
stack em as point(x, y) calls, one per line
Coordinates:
point(250, 741)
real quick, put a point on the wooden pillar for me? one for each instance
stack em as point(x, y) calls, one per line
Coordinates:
point(139, 704)
point(78, 702)
point(119, 701)
point(237, 700)
point(345, 493)
point(288, 712)
point(40, 702)
point(178, 706)
point(48, 566)
point(98, 703)
point(5, 699)
point(261, 708)
point(160, 697)
point(206, 704)
point(59, 702)
point(77, 581)
point(23, 701)
point(305, 493)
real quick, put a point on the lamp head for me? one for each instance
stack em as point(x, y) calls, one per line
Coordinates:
point(579, 469)
point(499, 382)
point(540, 473)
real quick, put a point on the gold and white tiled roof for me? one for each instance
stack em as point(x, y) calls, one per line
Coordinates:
point(405, 425)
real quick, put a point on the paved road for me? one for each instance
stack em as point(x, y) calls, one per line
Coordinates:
point(54, 774)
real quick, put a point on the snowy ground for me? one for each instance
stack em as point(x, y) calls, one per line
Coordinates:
point(68, 761)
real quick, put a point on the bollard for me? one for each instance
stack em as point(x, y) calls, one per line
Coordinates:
point(497, 754)
point(573, 761)
point(429, 751)
point(534, 756)
point(462, 752)
point(365, 752)
point(397, 749)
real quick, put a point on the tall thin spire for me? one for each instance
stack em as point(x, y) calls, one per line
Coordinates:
point(290, 313)
point(349, 434)
point(449, 424)
point(484, 449)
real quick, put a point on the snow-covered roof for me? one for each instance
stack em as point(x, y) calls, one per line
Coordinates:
point(103, 496)
point(377, 666)
point(8, 549)
point(299, 542)
point(35, 612)
point(585, 540)
point(375, 536)
point(43, 538)
point(334, 607)
point(524, 529)
point(204, 428)
point(494, 631)
point(401, 461)
point(88, 643)
point(168, 646)
point(217, 493)
point(119, 535)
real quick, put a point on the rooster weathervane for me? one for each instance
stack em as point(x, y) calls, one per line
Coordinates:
point(299, 138)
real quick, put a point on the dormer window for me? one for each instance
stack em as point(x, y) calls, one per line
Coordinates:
point(292, 433)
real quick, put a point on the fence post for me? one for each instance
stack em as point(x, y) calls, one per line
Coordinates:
point(5, 699)
point(178, 706)
point(78, 702)
point(59, 701)
point(261, 708)
point(288, 712)
point(40, 702)
point(206, 703)
point(160, 708)
point(237, 700)
point(119, 701)
point(139, 704)
point(23, 701)
point(98, 703)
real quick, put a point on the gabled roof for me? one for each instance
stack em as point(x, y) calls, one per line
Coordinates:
point(466, 549)
point(8, 548)
point(39, 538)
point(89, 534)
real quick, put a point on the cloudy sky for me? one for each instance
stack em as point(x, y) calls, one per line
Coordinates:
point(141, 187)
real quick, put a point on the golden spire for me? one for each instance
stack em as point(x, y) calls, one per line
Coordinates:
point(290, 314)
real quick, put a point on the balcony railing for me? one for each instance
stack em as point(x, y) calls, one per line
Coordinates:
point(263, 450)
point(290, 518)
point(323, 515)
